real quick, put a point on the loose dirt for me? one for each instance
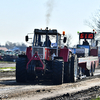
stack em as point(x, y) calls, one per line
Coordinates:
point(86, 89)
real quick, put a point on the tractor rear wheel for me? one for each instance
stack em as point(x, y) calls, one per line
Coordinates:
point(21, 73)
point(66, 72)
point(73, 68)
point(87, 72)
point(91, 71)
point(30, 73)
point(58, 71)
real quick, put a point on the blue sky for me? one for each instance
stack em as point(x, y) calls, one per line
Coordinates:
point(19, 17)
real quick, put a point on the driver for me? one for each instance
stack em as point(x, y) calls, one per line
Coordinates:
point(48, 42)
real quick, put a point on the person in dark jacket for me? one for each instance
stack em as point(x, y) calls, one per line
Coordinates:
point(48, 42)
point(85, 42)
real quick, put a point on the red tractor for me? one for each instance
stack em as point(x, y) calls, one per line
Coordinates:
point(44, 60)
point(48, 59)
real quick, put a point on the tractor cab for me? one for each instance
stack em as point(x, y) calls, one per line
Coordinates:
point(41, 38)
point(46, 43)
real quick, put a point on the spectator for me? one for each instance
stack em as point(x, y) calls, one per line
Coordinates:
point(85, 42)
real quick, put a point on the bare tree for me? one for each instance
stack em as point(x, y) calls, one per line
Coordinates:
point(94, 23)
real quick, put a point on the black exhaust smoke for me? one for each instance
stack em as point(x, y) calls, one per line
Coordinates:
point(50, 6)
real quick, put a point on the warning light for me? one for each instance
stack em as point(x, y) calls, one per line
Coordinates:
point(78, 32)
point(63, 33)
point(31, 48)
point(93, 30)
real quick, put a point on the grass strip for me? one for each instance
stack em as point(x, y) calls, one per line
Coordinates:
point(8, 62)
point(7, 68)
point(98, 98)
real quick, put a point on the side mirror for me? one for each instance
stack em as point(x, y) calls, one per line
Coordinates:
point(64, 40)
point(26, 38)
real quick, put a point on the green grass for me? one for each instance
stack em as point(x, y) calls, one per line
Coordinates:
point(7, 68)
point(98, 98)
point(6, 62)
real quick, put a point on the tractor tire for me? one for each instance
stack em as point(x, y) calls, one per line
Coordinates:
point(48, 70)
point(31, 77)
point(73, 68)
point(87, 72)
point(58, 71)
point(66, 73)
point(91, 71)
point(30, 73)
point(21, 73)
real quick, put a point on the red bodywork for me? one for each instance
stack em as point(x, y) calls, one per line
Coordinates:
point(36, 57)
point(64, 53)
point(29, 52)
point(61, 53)
point(94, 52)
point(48, 54)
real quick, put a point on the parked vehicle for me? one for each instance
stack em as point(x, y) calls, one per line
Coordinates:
point(10, 56)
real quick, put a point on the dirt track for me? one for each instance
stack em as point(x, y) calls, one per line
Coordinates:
point(45, 90)
point(81, 90)
point(7, 65)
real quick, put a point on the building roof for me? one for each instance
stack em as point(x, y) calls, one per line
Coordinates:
point(3, 48)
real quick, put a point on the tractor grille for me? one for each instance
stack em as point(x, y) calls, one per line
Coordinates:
point(40, 52)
